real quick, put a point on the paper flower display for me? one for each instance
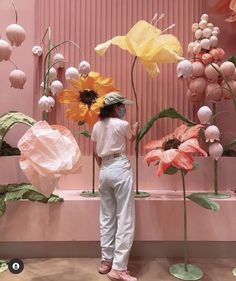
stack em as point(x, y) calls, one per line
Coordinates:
point(86, 99)
point(148, 43)
point(175, 149)
point(47, 153)
point(211, 79)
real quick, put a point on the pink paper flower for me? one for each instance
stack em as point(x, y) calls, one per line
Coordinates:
point(47, 153)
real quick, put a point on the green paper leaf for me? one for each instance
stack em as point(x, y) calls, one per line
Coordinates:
point(34, 195)
point(169, 112)
point(229, 145)
point(204, 201)
point(85, 133)
point(233, 60)
point(15, 195)
point(55, 199)
point(2, 206)
point(3, 266)
point(10, 119)
point(171, 170)
point(195, 165)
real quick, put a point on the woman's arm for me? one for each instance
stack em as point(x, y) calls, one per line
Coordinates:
point(135, 129)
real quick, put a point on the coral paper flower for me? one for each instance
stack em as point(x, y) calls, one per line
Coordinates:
point(86, 99)
point(175, 149)
point(148, 43)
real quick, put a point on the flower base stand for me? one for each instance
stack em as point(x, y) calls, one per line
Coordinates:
point(141, 194)
point(186, 271)
point(89, 194)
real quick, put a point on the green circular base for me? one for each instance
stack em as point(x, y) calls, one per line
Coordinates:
point(141, 194)
point(218, 195)
point(192, 273)
point(3, 266)
point(234, 272)
point(89, 194)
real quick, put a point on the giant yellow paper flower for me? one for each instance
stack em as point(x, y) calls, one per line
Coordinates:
point(148, 43)
point(86, 99)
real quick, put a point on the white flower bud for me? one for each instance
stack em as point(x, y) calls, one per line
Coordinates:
point(204, 114)
point(15, 34)
point(46, 103)
point(5, 50)
point(37, 51)
point(212, 134)
point(184, 69)
point(84, 68)
point(52, 75)
point(59, 60)
point(17, 78)
point(71, 73)
point(56, 87)
point(216, 150)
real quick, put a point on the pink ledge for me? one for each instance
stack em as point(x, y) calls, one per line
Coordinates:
point(158, 218)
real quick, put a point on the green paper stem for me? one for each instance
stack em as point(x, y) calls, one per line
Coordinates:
point(14, 6)
point(93, 172)
point(185, 224)
point(216, 177)
point(137, 118)
point(215, 164)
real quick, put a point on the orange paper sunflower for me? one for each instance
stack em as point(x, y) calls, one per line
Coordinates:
point(86, 99)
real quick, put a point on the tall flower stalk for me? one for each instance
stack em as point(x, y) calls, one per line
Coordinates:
point(148, 43)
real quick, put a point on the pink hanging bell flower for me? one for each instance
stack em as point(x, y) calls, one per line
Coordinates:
point(56, 87)
point(84, 68)
point(15, 34)
point(59, 60)
point(46, 103)
point(204, 114)
point(17, 78)
point(52, 74)
point(71, 73)
point(212, 134)
point(37, 51)
point(216, 150)
point(5, 50)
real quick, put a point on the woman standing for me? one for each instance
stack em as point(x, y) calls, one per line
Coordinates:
point(117, 212)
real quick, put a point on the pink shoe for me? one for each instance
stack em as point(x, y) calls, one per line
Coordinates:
point(120, 275)
point(105, 267)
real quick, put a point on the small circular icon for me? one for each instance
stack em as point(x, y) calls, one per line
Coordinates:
point(16, 266)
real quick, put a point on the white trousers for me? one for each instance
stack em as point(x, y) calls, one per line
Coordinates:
point(117, 212)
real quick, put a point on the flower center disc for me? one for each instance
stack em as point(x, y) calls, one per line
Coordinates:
point(88, 97)
point(170, 144)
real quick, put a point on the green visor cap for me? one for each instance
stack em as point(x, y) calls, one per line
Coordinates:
point(115, 97)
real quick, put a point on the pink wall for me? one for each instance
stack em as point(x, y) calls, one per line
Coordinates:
point(90, 22)
point(15, 99)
